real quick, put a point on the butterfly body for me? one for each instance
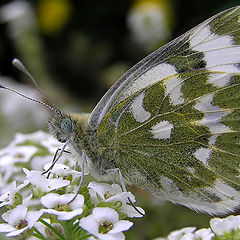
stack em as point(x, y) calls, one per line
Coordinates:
point(171, 123)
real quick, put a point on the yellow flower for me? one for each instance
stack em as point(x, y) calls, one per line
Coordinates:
point(53, 15)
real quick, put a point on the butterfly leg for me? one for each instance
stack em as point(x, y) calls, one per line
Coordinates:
point(121, 179)
point(56, 157)
point(84, 158)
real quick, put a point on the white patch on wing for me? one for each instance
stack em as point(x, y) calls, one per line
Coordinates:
point(220, 79)
point(162, 130)
point(203, 155)
point(154, 75)
point(220, 54)
point(139, 113)
point(191, 170)
point(213, 139)
point(173, 89)
point(213, 115)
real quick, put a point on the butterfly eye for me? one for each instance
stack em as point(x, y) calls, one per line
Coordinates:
point(66, 125)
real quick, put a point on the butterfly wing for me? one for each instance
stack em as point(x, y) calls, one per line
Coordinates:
point(172, 121)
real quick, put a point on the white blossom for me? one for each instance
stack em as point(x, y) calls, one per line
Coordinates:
point(178, 234)
point(62, 170)
point(204, 234)
point(228, 224)
point(114, 193)
point(9, 197)
point(148, 23)
point(42, 183)
point(104, 223)
point(59, 205)
point(19, 220)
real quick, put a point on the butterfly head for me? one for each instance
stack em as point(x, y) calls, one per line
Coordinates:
point(61, 127)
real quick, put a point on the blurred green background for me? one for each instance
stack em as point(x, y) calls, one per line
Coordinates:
point(76, 50)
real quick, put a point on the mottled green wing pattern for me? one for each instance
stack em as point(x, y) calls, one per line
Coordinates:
point(173, 119)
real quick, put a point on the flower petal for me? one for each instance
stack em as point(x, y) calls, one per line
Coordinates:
point(32, 217)
point(115, 236)
point(50, 200)
point(175, 235)
point(102, 214)
point(4, 227)
point(17, 214)
point(120, 226)
point(89, 224)
point(16, 232)
point(70, 215)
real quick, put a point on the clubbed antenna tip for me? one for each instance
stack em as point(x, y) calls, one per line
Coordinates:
point(19, 65)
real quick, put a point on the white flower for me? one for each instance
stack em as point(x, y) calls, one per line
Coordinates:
point(59, 205)
point(9, 197)
point(178, 234)
point(62, 170)
point(18, 220)
point(51, 143)
point(9, 156)
point(204, 233)
point(104, 223)
point(189, 234)
point(114, 193)
point(219, 226)
point(38, 162)
point(147, 21)
point(43, 184)
point(17, 154)
point(38, 137)
point(14, 10)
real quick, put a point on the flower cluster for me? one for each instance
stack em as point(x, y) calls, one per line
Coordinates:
point(220, 229)
point(41, 206)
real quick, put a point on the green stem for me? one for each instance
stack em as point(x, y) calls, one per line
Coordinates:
point(85, 236)
point(37, 234)
point(52, 228)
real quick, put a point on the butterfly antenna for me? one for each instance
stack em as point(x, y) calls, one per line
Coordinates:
point(19, 65)
point(29, 98)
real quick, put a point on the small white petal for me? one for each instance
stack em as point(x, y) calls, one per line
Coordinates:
point(123, 197)
point(77, 203)
point(176, 235)
point(107, 236)
point(100, 188)
point(64, 215)
point(219, 226)
point(89, 224)
point(26, 200)
point(51, 211)
point(131, 212)
point(69, 215)
point(3, 204)
point(17, 214)
point(204, 233)
point(32, 217)
point(16, 232)
point(62, 170)
point(102, 214)
point(4, 227)
point(50, 200)
point(57, 183)
point(120, 226)
point(44, 184)
point(19, 187)
point(188, 236)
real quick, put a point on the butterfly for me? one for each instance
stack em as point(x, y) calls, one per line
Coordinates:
point(171, 123)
